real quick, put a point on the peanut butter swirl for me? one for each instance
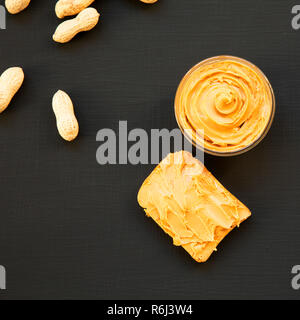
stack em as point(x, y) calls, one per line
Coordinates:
point(229, 99)
point(190, 205)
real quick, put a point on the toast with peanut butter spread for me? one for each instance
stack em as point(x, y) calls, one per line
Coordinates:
point(190, 205)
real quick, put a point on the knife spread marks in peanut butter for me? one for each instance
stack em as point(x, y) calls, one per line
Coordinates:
point(229, 98)
point(190, 205)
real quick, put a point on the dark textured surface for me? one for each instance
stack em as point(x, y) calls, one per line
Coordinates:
point(71, 228)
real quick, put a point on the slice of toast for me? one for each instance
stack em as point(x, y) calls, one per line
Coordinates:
point(190, 205)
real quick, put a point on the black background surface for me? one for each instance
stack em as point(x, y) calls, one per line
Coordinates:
point(72, 229)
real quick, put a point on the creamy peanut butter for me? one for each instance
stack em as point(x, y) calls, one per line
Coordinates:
point(190, 205)
point(229, 99)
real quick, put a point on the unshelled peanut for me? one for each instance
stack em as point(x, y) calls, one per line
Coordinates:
point(85, 21)
point(66, 8)
point(67, 123)
point(10, 82)
point(16, 6)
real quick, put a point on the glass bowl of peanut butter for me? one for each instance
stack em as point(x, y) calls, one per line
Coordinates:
point(225, 105)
